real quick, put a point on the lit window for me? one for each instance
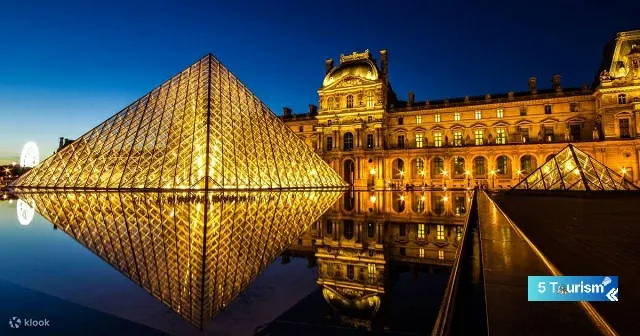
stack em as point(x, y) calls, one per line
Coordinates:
point(479, 166)
point(457, 138)
point(478, 115)
point(372, 272)
point(437, 139)
point(479, 137)
point(456, 116)
point(502, 165)
point(369, 99)
point(421, 253)
point(418, 140)
point(301, 128)
point(547, 109)
point(499, 113)
point(440, 232)
point(460, 208)
point(441, 255)
point(438, 208)
point(418, 120)
point(622, 99)
point(350, 101)
point(458, 165)
point(436, 117)
point(501, 137)
point(420, 231)
point(458, 232)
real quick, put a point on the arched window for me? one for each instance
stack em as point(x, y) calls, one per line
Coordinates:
point(527, 164)
point(419, 168)
point(398, 169)
point(622, 99)
point(502, 165)
point(437, 167)
point(350, 101)
point(348, 141)
point(479, 166)
point(458, 165)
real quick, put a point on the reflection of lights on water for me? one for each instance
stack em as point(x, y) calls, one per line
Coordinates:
point(25, 212)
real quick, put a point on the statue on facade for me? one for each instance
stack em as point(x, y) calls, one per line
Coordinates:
point(487, 97)
point(604, 75)
point(567, 135)
point(510, 95)
point(446, 140)
point(468, 140)
point(466, 99)
point(490, 139)
point(533, 87)
point(540, 139)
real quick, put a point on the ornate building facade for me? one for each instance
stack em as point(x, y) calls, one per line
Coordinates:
point(374, 139)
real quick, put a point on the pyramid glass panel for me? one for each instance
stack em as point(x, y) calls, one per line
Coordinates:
point(200, 130)
point(193, 251)
point(573, 169)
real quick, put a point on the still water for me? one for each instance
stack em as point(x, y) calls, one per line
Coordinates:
point(261, 263)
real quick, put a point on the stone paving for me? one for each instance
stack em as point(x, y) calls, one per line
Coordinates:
point(507, 262)
point(587, 236)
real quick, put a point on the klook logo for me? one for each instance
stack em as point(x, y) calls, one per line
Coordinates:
point(16, 322)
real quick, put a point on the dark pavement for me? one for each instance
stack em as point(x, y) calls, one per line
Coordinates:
point(507, 261)
point(587, 236)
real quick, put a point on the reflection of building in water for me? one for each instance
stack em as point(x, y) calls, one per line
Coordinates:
point(373, 137)
point(367, 238)
point(195, 257)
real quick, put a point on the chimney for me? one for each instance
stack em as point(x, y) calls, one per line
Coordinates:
point(384, 61)
point(412, 98)
point(313, 110)
point(286, 111)
point(555, 83)
point(533, 88)
point(61, 143)
point(328, 65)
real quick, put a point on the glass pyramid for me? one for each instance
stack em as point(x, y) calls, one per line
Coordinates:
point(573, 169)
point(193, 251)
point(202, 129)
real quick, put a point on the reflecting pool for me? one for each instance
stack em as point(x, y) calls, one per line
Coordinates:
point(240, 263)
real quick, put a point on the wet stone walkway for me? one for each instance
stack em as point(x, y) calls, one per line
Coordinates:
point(507, 262)
point(595, 235)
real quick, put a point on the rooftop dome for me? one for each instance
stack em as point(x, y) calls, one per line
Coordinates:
point(362, 68)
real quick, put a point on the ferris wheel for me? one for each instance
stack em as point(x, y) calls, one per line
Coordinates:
point(30, 156)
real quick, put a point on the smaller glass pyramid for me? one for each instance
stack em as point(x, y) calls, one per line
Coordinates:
point(573, 169)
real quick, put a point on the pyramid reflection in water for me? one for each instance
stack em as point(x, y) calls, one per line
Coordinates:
point(573, 169)
point(202, 129)
point(195, 261)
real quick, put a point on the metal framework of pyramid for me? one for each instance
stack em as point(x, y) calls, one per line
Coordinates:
point(202, 129)
point(573, 169)
point(193, 251)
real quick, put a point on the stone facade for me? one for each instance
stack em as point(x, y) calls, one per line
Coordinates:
point(374, 139)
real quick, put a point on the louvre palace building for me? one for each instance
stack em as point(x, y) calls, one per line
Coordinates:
point(374, 138)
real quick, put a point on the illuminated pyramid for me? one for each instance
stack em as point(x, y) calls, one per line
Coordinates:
point(573, 169)
point(202, 129)
point(193, 251)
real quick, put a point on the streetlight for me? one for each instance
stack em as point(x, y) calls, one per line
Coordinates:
point(422, 174)
point(493, 179)
point(444, 175)
point(467, 173)
point(519, 172)
point(372, 173)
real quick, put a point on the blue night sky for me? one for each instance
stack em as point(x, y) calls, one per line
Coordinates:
point(66, 66)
